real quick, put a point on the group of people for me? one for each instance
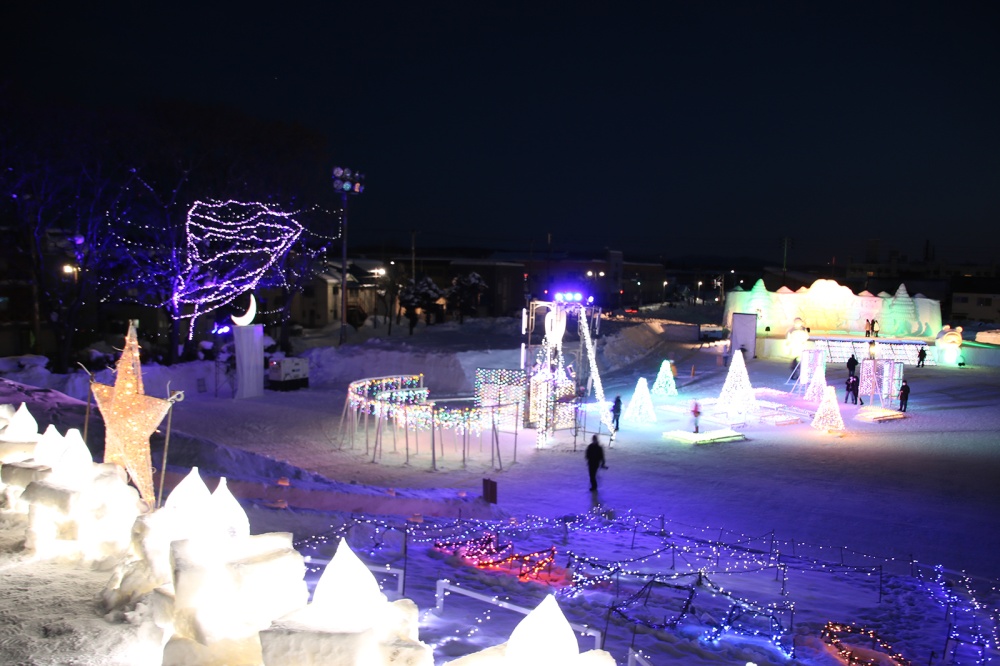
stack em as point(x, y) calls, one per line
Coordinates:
point(853, 382)
point(595, 452)
point(852, 390)
point(871, 328)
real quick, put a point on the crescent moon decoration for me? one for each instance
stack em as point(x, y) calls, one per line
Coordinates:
point(247, 319)
point(217, 231)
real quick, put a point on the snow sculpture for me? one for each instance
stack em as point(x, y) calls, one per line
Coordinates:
point(147, 566)
point(948, 344)
point(828, 415)
point(226, 518)
point(81, 511)
point(348, 622)
point(76, 510)
point(737, 398)
point(758, 300)
point(830, 307)
point(21, 427)
point(212, 586)
point(226, 590)
point(18, 437)
point(640, 406)
point(6, 414)
point(899, 315)
point(542, 638)
point(65, 457)
point(19, 457)
point(986, 337)
point(796, 339)
point(664, 385)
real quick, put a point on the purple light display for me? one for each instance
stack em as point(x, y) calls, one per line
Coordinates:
point(231, 245)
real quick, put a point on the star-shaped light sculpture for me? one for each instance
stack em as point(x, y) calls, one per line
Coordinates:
point(130, 417)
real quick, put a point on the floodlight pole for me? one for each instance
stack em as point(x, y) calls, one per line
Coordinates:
point(345, 181)
point(343, 268)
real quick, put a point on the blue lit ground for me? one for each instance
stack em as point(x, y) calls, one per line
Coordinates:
point(835, 506)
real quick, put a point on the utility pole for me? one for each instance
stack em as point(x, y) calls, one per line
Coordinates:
point(786, 242)
point(413, 256)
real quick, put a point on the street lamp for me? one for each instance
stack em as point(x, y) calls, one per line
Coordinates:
point(697, 296)
point(345, 182)
point(665, 291)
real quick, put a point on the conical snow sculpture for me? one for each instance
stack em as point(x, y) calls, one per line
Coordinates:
point(543, 638)
point(737, 397)
point(147, 565)
point(816, 389)
point(18, 448)
point(828, 415)
point(6, 414)
point(17, 440)
point(900, 314)
point(664, 386)
point(77, 511)
point(640, 407)
point(49, 447)
point(215, 585)
point(349, 617)
point(22, 426)
point(226, 518)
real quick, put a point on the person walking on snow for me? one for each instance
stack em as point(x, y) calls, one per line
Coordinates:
point(616, 412)
point(852, 364)
point(921, 357)
point(595, 460)
point(852, 390)
point(904, 396)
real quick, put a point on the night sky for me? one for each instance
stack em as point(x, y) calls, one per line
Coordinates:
point(701, 128)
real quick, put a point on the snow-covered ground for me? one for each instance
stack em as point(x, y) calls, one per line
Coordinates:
point(847, 527)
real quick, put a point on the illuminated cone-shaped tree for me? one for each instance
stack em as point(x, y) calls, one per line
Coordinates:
point(816, 390)
point(664, 386)
point(640, 407)
point(828, 415)
point(737, 395)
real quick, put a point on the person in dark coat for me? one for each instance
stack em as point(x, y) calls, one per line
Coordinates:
point(616, 412)
point(904, 396)
point(852, 365)
point(595, 460)
point(852, 390)
point(921, 357)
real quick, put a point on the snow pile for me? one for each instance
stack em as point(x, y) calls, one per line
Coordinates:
point(988, 337)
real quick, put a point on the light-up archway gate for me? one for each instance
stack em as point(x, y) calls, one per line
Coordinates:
point(555, 387)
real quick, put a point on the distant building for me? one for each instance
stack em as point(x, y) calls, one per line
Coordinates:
point(975, 299)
